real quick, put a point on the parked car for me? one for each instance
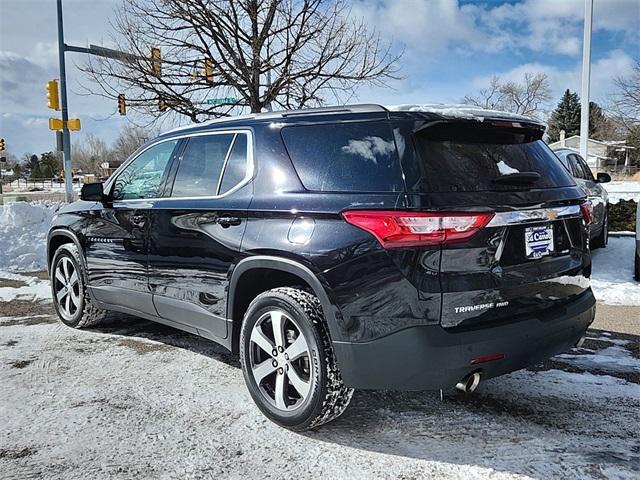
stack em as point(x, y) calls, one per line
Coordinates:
point(339, 248)
point(637, 259)
point(595, 192)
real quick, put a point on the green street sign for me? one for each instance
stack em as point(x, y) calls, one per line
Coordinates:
point(222, 101)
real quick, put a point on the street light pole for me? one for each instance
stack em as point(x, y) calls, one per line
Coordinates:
point(586, 80)
point(66, 140)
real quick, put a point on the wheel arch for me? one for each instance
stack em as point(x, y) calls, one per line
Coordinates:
point(58, 237)
point(291, 271)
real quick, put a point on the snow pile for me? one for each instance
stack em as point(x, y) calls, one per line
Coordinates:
point(612, 275)
point(23, 235)
point(622, 191)
point(33, 290)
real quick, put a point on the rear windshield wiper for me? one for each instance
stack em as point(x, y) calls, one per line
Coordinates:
point(518, 178)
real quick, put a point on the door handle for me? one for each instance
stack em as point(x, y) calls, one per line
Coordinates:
point(228, 221)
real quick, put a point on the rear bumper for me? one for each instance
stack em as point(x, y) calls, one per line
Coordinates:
point(431, 357)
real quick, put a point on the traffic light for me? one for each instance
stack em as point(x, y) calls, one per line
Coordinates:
point(3, 145)
point(73, 124)
point(208, 70)
point(56, 124)
point(122, 104)
point(53, 99)
point(156, 62)
point(162, 105)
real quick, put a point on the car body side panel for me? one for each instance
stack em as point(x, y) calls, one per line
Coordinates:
point(190, 255)
point(372, 294)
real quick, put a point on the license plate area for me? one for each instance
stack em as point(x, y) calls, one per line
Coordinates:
point(538, 241)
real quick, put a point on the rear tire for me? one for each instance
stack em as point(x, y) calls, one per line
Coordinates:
point(68, 290)
point(637, 266)
point(292, 376)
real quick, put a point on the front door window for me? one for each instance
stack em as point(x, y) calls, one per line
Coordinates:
point(142, 177)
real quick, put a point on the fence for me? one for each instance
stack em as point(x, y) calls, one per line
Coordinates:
point(27, 184)
point(617, 170)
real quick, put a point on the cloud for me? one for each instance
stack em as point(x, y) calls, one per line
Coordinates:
point(20, 78)
point(550, 26)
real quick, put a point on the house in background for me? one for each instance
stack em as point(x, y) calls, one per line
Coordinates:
point(601, 153)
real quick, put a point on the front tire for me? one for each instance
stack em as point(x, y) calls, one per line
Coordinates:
point(603, 237)
point(68, 289)
point(288, 361)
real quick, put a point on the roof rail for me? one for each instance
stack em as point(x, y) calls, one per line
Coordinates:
point(358, 108)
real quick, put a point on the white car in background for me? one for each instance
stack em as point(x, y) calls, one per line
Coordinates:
point(637, 262)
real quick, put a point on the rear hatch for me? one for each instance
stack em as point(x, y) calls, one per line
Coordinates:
point(527, 250)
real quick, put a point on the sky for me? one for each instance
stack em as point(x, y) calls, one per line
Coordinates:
point(451, 48)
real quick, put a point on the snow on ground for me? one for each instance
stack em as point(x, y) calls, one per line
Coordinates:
point(31, 288)
point(622, 191)
point(23, 235)
point(135, 399)
point(612, 274)
point(613, 359)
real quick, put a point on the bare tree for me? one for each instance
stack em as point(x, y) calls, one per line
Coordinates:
point(128, 141)
point(625, 102)
point(287, 53)
point(90, 152)
point(529, 96)
point(490, 97)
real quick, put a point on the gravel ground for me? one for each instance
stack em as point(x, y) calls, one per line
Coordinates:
point(135, 399)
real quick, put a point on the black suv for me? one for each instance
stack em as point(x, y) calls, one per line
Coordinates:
point(594, 191)
point(338, 248)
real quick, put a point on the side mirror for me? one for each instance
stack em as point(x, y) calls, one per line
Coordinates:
point(92, 192)
point(603, 177)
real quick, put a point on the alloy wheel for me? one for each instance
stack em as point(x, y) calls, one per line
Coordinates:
point(67, 288)
point(279, 359)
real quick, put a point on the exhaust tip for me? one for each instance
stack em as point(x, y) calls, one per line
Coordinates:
point(469, 383)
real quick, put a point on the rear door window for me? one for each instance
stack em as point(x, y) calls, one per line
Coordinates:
point(345, 157)
point(237, 164)
point(201, 166)
point(469, 158)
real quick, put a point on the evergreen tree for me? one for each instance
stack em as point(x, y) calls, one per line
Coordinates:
point(50, 165)
point(565, 117)
point(33, 166)
point(601, 127)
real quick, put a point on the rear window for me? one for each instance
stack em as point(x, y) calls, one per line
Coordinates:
point(464, 158)
point(345, 157)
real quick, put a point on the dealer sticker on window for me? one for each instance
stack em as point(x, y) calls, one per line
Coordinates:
point(538, 241)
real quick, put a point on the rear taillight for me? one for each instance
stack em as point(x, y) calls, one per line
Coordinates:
point(413, 229)
point(587, 211)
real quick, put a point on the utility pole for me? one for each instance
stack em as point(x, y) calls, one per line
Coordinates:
point(66, 140)
point(586, 80)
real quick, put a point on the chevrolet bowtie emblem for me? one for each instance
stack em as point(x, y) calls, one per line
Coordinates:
point(552, 214)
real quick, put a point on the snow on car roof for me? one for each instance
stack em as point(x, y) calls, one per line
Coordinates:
point(467, 112)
